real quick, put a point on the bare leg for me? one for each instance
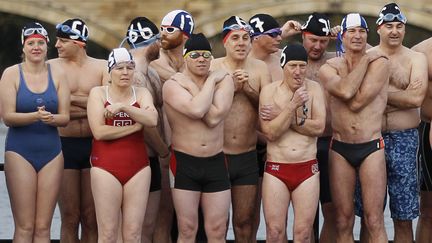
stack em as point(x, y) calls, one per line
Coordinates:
point(215, 208)
point(186, 204)
point(424, 225)
point(243, 203)
point(342, 182)
point(151, 216)
point(88, 213)
point(328, 231)
point(305, 203)
point(162, 232)
point(276, 199)
point(403, 231)
point(69, 205)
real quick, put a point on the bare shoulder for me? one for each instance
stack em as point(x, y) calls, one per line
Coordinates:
point(270, 88)
point(256, 64)
point(153, 75)
point(335, 61)
point(10, 72)
point(55, 61)
point(313, 85)
point(141, 91)
point(216, 63)
point(100, 63)
point(424, 46)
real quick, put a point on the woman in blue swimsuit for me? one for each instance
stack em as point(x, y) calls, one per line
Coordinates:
point(35, 101)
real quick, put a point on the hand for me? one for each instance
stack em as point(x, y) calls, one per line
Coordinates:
point(291, 27)
point(300, 97)
point(269, 112)
point(374, 55)
point(45, 116)
point(112, 110)
point(217, 75)
point(240, 77)
point(186, 83)
point(334, 32)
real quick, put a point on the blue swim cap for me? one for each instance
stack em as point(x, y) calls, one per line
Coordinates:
point(352, 20)
point(180, 19)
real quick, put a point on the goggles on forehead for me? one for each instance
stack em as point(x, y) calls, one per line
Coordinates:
point(122, 65)
point(247, 28)
point(391, 17)
point(169, 29)
point(31, 31)
point(272, 33)
point(147, 42)
point(68, 30)
point(196, 54)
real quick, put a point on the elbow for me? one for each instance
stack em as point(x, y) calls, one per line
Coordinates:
point(212, 123)
point(270, 136)
point(153, 122)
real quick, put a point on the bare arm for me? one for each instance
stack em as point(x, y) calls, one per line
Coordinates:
point(222, 101)
point(96, 118)
point(181, 100)
point(63, 93)
point(413, 95)
point(376, 77)
point(315, 124)
point(154, 139)
point(345, 86)
point(275, 128)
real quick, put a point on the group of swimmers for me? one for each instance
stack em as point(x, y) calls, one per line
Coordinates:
point(164, 128)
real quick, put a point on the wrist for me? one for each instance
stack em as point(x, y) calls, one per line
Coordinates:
point(165, 155)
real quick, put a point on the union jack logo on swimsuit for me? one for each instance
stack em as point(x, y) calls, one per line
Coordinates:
point(275, 167)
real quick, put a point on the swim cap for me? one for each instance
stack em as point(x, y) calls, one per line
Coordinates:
point(74, 29)
point(117, 56)
point(261, 23)
point(352, 20)
point(293, 52)
point(317, 24)
point(197, 42)
point(235, 23)
point(141, 32)
point(180, 19)
point(391, 13)
point(33, 29)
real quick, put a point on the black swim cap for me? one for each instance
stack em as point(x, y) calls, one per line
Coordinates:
point(293, 52)
point(235, 23)
point(74, 29)
point(33, 29)
point(317, 24)
point(141, 31)
point(391, 13)
point(197, 42)
point(261, 23)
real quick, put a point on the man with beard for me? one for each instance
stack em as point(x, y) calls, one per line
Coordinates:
point(143, 38)
point(423, 232)
point(406, 91)
point(83, 73)
point(250, 76)
point(176, 28)
point(357, 84)
point(196, 102)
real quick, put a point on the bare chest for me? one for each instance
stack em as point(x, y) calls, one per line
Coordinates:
point(399, 74)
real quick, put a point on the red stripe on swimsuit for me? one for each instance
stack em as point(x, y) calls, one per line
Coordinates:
point(122, 157)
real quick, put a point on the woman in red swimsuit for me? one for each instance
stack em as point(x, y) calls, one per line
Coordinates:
point(120, 175)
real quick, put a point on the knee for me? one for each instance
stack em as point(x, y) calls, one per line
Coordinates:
point(42, 230)
point(26, 229)
point(275, 232)
point(344, 222)
point(302, 233)
point(132, 234)
point(215, 230)
point(373, 222)
point(108, 235)
point(244, 224)
point(187, 230)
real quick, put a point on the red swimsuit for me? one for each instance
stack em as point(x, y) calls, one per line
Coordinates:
point(122, 157)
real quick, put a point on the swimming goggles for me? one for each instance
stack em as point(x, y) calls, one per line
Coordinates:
point(31, 31)
point(304, 117)
point(169, 29)
point(391, 17)
point(247, 28)
point(273, 33)
point(68, 30)
point(196, 55)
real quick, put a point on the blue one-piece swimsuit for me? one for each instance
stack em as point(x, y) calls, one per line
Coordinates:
point(38, 142)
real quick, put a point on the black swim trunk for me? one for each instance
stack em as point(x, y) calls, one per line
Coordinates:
point(243, 168)
point(356, 153)
point(204, 174)
point(323, 146)
point(262, 158)
point(424, 156)
point(156, 176)
point(76, 152)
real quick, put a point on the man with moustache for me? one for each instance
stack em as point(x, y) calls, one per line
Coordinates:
point(143, 38)
point(406, 91)
point(357, 83)
point(424, 155)
point(83, 73)
point(291, 173)
point(250, 76)
point(196, 102)
point(176, 27)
